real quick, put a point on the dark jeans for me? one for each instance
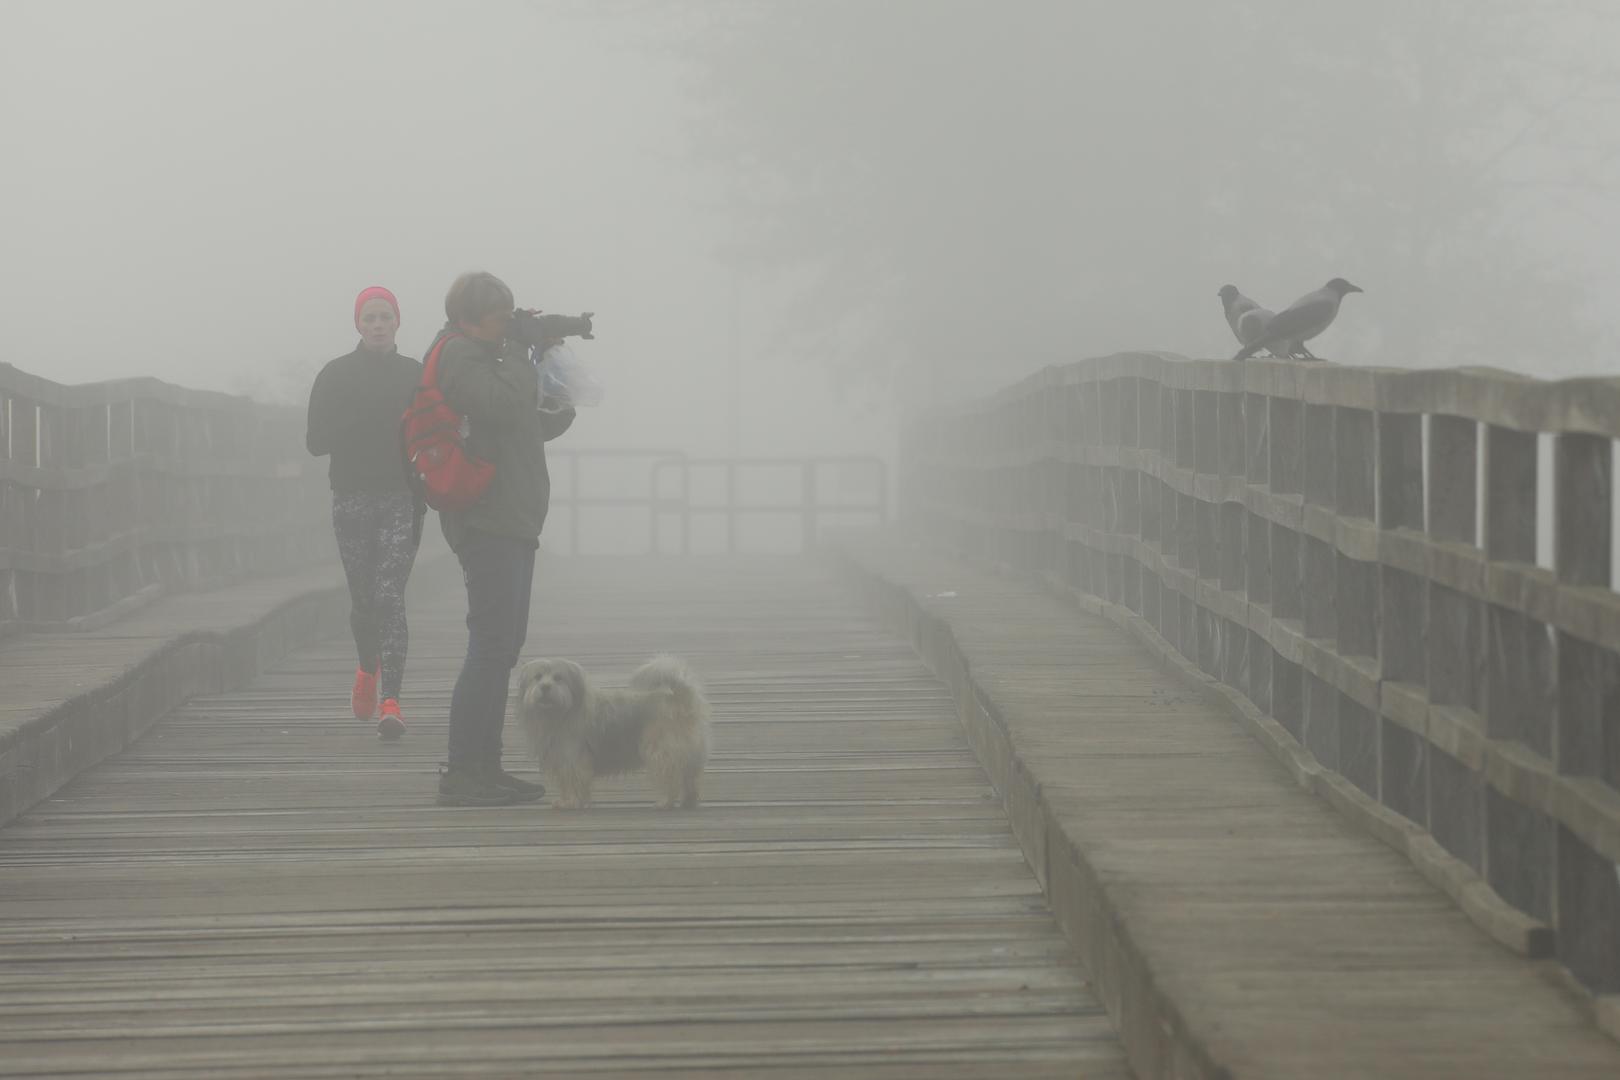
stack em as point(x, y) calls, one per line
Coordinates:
point(499, 572)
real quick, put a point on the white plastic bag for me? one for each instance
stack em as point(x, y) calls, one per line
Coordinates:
point(566, 381)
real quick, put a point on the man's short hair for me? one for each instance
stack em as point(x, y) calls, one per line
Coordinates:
point(474, 295)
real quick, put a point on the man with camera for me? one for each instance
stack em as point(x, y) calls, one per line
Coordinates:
point(485, 375)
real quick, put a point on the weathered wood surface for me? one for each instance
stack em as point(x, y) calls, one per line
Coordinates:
point(260, 888)
point(70, 700)
point(1233, 921)
point(42, 670)
point(1355, 552)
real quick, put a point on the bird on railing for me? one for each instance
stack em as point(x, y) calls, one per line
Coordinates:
point(1300, 321)
point(1247, 319)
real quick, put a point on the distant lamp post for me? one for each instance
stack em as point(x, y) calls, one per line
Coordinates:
point(736, 362)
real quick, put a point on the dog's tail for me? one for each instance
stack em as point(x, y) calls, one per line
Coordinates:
point(665, 672)
point(679, 761)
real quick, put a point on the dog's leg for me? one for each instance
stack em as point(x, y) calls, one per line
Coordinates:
point(569, 796)
point(670, 787)
point(666, 776)
point(575, 796)
point(574, 774)
point(689, 796)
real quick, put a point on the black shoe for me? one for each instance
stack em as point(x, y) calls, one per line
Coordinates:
point(526, 791)
point(463, 787)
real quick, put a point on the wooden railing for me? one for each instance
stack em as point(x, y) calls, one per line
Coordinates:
point(113, 492)
point(1355, 551)
point(800, 492)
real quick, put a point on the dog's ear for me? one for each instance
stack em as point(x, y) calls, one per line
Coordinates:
point(578, 688)
point(529, 680)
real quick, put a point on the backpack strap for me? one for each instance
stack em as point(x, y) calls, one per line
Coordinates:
point(430, 369)
point(430, 379)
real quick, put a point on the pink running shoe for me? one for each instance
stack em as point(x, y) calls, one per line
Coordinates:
point(363, 698)
point(391, 725)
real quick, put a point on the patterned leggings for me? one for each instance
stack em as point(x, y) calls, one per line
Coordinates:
point(377, 539)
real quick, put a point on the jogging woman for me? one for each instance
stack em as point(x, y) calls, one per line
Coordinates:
point(354, 415)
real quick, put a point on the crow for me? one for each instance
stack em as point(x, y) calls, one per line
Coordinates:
point(1247, 319)
point(1300, 321)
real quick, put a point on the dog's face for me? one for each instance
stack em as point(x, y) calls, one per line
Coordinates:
point(553, 688)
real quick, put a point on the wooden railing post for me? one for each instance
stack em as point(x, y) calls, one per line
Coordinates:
point(1453, 461)
point(1521, 694)
point(1510, 494)
point(1402, 611)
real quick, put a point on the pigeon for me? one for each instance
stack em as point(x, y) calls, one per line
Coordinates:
point(1300, 321)
point(1247, 319)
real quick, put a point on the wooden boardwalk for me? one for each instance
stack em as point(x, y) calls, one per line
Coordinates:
point(1245, 926)
point(260, 888)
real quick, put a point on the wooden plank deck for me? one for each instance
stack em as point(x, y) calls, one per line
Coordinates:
point(1243, 922)
point(70, 700)
point(260, 888)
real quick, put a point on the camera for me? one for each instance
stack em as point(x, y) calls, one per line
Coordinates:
point(537, 331)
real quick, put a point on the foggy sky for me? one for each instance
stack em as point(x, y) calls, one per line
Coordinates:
point(1024, 183)
point(197, 190)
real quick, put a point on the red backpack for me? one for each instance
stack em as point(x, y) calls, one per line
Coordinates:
point(441, 469)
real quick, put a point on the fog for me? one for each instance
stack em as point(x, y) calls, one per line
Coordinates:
point(888, 204)
point(198, 190)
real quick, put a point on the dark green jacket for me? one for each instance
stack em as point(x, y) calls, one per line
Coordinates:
point(500, 399)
